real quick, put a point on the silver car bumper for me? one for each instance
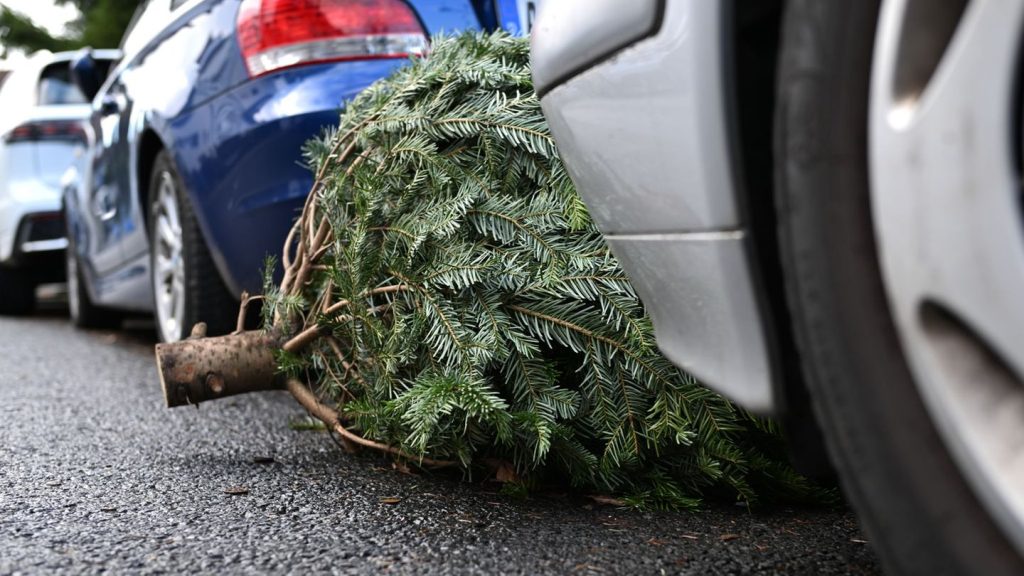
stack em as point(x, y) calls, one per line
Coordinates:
point(644, 132)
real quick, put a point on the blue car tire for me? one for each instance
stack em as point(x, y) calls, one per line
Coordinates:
point(187, 287)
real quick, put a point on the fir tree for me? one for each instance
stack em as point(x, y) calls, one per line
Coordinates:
point(447, 299)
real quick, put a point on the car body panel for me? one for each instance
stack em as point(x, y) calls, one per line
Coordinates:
point(30, 184)
point(236, 142)
point(651, 154)
point(572, 39)
point(672, 128)
point(447, 16)
point(248, 129)
point(186, 64)
point(695, 287)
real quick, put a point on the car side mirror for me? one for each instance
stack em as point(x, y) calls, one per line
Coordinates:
point(85, 74)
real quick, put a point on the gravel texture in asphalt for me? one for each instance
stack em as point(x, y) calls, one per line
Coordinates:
point(96, 475)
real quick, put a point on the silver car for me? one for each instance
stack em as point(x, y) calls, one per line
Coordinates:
point(41, 136)
point(820, 205)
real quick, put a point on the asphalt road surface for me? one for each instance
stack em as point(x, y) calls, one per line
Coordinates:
point(97, 476)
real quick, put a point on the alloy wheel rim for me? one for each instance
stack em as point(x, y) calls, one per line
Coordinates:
point(168, 261)
point(945, 199)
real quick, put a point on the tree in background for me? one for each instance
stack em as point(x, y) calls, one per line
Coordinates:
point(100, 24)
point(17, 31)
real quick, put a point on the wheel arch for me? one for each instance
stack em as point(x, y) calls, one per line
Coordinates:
point(754, 45)
point(150, 146)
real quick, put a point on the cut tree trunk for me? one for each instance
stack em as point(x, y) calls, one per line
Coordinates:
point(200, 369)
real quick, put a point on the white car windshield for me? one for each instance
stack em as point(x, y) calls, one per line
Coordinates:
point(56, 87)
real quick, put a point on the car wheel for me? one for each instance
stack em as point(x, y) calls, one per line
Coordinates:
point(854, 220)
point(187, 288)
point(84, 314)
point(17, 292)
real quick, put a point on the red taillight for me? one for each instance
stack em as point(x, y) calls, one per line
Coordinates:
point(275, 34)
point(51, 130)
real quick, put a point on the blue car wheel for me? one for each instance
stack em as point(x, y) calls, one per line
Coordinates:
point(187, 288)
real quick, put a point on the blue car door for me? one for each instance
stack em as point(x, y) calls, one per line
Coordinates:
point(104, 205)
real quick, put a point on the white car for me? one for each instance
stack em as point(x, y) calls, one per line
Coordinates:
point(820, 204)
point(41, 136)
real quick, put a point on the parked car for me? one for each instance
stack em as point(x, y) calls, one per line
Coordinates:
point(820, 205)
point(196, 170)
point(41, 135)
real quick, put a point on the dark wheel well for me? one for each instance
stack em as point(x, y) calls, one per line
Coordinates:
point(150, 146)
point(755, 36)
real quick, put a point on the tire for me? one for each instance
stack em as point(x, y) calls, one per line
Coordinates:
point(17, 292)
point(916, 506)
point(204, 297)
point(83, 313)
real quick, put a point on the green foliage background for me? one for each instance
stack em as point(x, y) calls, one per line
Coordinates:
point(101, 24)
point(513, 335)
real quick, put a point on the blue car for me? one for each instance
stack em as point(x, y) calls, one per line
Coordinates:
point(195, 170)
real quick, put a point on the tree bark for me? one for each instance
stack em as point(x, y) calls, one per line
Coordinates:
point(200, 369)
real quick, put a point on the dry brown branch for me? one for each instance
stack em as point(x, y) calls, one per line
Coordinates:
point(198, 331)
point(315, 251)
point(328, 296)
point(349, 367)
point(313, 331)
point(339, 381)
point(341, 304)
point(243, 311)
point(302, 339)
point(336, 307)
point(329, 416)
point(286, 254)
point(332, 159)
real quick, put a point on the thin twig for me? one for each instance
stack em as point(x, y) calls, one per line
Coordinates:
point(355, 163)
point(289, 273)
point(308, 210)
point(337, 145)
point(349, 367)
point(340, 381)
point(286, 256)
point(312, 332)
point(302, 339)
point(329, 416)
point(338, 306)
point(243, 310)
point(316, 250)
point(317, 256)
point(328, 295)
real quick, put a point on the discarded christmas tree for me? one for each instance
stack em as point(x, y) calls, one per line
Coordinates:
point(446, 299)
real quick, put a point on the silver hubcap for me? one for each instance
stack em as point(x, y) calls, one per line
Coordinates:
point(168, 262)
point(945, 193)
